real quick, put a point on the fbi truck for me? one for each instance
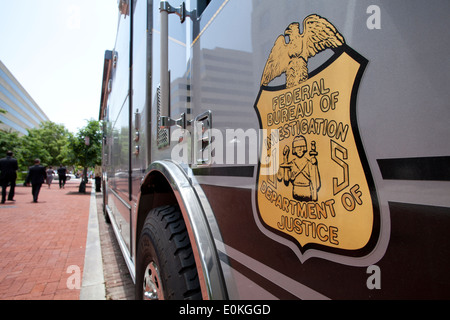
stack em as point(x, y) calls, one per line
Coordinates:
point(289, 149)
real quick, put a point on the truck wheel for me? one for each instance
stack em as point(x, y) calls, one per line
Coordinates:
point(165, 266)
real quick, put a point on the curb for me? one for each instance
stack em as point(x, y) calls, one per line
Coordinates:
point(93, 283)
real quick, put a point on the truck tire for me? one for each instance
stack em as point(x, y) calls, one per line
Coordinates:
point(166, 268)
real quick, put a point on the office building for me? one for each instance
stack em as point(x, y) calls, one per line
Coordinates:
point(22, 112)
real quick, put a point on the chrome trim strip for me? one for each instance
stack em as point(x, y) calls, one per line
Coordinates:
point(205, 252)
point(126, 204)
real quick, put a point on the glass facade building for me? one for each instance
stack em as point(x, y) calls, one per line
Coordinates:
point(22, 112)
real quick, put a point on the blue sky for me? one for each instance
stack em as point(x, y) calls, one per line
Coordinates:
point(55, 49)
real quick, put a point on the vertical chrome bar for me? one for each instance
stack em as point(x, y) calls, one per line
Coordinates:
point(164, 59)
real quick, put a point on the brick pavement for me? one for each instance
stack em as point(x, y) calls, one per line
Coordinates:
point(42, 245)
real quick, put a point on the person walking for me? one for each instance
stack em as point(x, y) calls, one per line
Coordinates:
point(36, 175)
point(8, 175)
point(50, 173)
point(62, 176)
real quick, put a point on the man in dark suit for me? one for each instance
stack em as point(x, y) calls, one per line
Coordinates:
point(62, 171)
point(8, 175)
point(36, 175)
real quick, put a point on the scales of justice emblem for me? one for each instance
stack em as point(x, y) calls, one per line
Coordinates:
point(314, 187)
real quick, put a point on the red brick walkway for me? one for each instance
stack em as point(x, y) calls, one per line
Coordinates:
point(42, 245)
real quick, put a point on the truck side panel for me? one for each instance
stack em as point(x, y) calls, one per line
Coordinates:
point(316, 141)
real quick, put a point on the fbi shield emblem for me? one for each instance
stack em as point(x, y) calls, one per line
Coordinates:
point(314, 186)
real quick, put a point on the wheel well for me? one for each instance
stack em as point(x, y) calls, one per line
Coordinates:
point(167, 184)
point(155, 192)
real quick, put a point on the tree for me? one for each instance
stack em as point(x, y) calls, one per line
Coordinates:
point(53, 144)
point(86, 147)
point(8, 141)
point(56, 137)
point(49, 143)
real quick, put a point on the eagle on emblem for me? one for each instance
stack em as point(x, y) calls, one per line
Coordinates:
point(292, 49)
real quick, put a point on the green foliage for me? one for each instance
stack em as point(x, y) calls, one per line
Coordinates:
point(53, 144)
point(8, 141)
point(87, 155)
point(49, 143)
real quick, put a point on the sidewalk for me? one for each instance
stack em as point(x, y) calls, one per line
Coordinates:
point(43, 245)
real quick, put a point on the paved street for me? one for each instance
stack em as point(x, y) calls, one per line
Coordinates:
point(59, 248)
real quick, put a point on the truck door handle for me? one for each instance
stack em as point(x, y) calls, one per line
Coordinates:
point(203, 138)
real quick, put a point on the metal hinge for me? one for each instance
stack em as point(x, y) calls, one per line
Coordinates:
point(180, 11)
point(167, 122)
